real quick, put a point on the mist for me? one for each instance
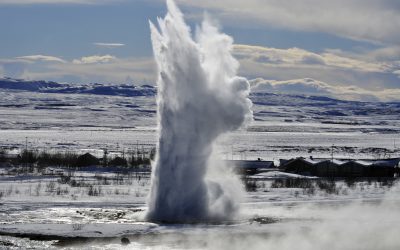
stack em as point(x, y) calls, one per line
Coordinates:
point(354, 224)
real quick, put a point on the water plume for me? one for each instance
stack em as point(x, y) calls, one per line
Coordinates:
point(199, 98)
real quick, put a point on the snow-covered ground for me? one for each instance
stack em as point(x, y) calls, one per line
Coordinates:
point(103, 207)
point(347, 215)
point(239, 145)
point(284, 125)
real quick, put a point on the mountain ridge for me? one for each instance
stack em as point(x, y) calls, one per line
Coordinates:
point(131, 90)
point(67, 88)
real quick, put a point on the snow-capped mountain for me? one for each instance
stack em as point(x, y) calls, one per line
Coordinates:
point(66, 88)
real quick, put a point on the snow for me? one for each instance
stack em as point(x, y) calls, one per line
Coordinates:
point(269, 217)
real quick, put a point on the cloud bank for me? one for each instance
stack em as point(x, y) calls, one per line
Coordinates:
point(368, 75)
point(366, 20)
point(297, 56)
point(374, 71)
point(308, 86)
point(370, 20)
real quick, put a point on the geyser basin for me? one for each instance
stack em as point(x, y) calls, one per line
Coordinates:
point(199, 98)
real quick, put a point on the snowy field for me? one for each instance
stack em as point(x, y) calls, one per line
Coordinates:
point(86, 210)
point(284, 126)
point(237, 145)
point(94, 210)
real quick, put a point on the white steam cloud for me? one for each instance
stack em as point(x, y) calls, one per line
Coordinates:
point(200, 97)
point(362, 224)
point(367, 221)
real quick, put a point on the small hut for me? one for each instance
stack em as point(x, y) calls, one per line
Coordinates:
point(300, 165)
point(87, 160)
point(118, 161)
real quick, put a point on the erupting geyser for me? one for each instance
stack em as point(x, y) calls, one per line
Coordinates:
point(199, 98)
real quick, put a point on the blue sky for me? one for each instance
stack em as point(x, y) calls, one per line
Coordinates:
point(350, 48)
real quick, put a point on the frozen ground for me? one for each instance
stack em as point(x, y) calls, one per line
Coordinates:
point(35, 214)
point(284, 126)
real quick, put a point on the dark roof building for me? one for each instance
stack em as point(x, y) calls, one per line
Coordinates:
point(342, 168)
point(118, 161)
point(86, 160)
point(300, 165)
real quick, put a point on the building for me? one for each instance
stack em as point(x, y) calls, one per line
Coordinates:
point(328, 168)
point(384, 168)
point(354, 169)
point(300, 165)
point(87, 160)
point(118, 161)
point(342, 167)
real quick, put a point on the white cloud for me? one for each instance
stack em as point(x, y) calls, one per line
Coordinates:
point(41, 58)
point(109, 45)
point(308, 86)
point(296, 86)
point(372, 20)
point(331, 66)
point(296, 56)
point(94, 59)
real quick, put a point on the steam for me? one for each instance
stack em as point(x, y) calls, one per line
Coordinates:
point(199, 98)
point(338, 224)
point(357, 225)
